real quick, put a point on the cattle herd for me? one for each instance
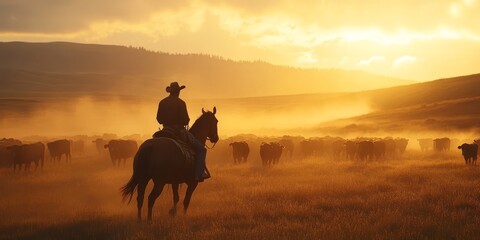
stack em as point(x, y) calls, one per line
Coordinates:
point(358, 149)
point(15, 153)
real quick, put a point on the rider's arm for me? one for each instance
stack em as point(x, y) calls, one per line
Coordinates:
point(159, 115)
point(185, 119)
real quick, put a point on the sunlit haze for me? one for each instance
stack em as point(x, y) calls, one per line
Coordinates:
point(239, 119)
point(417, 40)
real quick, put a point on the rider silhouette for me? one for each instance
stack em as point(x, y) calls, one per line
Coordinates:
point(172, 114)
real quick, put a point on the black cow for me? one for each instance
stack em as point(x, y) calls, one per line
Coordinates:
point(121, 149)
point(390, 148)
point(337, 149)
point(425, 143)
point(401, 145)
point(270, 153)
point(288, 146)
point(26, 154)
point(351, 149)
point(469, 152)
point(99, 144)
point(307, 147)
point(6, 158)
point(78, 147)
point(379, 149)
point(365, 150)
point(312, 147)
point(441, 144)
point(58, 148)
point(240, 151)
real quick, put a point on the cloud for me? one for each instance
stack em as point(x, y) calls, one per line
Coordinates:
point(404, 60)
point(307, 58)
point(52, 16)
point(370, 60)
point(322, 34)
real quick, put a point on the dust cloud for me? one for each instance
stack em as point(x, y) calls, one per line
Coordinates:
point(85, 116)
point(90, 116)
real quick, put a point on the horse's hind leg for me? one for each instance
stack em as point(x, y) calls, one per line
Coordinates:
point(140, 195)
point(176, 198)
point(157, 189)
point(191, 187)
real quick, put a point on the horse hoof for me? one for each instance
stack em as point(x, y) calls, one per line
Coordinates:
point(172, 212)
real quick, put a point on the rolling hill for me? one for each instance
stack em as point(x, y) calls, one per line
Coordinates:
point(121, 86)
point(444, 105)
point(27, 69)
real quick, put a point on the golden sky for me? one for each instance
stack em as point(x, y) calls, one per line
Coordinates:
point(413, 39)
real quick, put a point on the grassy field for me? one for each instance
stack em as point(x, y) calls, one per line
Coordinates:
point(416, 198)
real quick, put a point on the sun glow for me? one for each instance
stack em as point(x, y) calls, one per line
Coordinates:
point(329, 34)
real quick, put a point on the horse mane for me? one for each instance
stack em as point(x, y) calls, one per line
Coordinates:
point(196, 124)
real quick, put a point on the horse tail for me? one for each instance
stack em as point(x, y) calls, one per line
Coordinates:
point(138, 173)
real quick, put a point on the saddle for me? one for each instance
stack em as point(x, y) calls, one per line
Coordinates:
point(181, 139)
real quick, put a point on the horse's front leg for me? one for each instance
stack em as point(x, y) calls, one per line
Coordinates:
point(191, 187)
point(176, 198)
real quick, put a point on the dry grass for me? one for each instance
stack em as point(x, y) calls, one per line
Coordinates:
point(309, 199)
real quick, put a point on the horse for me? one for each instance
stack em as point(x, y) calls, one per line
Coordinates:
point(161, 160)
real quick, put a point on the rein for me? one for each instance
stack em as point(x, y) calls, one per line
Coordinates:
point(208, 146)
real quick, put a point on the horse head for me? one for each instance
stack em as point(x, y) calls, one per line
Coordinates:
point(211, 123)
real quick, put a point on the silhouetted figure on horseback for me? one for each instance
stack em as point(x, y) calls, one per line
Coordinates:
point(166, 158)
point(172, 114)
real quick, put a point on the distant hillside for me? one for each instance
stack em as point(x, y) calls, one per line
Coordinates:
point(423, 93)
point(381, 99)
point(47, 83)
point(451, 104)
point(48, 69)
point(445, 105)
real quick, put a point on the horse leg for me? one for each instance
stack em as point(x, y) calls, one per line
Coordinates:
point(140, 195)
point(157, 189)
point(176, 198)
point(191, 187)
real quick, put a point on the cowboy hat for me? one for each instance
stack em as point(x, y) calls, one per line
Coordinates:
point(174, 87)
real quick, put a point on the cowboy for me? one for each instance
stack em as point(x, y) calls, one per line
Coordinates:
point(172, 114)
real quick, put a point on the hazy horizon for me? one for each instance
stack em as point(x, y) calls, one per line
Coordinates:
point(410, 40)
point(273, 63)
